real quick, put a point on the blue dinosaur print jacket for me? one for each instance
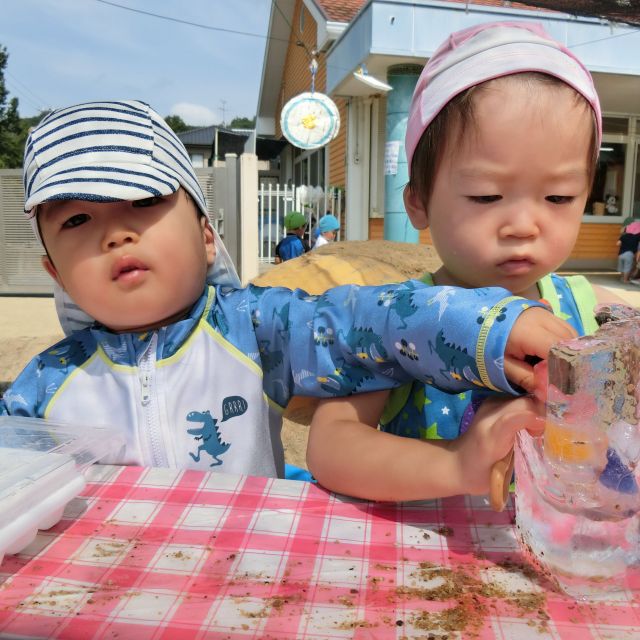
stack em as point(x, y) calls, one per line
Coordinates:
point(209, 390)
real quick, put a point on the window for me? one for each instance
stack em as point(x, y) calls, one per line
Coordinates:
point(197, 160)
point(608, 192)
point(615, 125)
point(308, 167)
point(606, 195)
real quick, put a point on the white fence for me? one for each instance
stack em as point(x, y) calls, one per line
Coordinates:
point(276, 201)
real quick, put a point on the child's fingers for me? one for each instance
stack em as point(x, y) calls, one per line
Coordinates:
point(535, 332)
point(524, 413)
point(546, 332)
point(541, 379)
point(531, 339)
point(520, 373)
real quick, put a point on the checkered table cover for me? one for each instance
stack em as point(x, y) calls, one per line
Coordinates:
point(161, 553)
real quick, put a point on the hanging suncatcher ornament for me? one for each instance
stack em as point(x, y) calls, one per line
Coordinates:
point(310, 120)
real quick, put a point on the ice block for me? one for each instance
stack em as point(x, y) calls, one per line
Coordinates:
point(577, 487)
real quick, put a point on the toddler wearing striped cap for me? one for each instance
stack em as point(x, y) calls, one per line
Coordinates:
point(163, 343)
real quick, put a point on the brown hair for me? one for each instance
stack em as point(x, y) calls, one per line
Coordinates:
point(460, 111)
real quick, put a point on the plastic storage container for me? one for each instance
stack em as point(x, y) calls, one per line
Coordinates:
point(41, 470)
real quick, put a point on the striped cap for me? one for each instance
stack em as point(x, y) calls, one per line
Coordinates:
point(105, 152)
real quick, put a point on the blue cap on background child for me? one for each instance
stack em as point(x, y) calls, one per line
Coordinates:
point(487, 51)
point(328, 222)
point(107, 152)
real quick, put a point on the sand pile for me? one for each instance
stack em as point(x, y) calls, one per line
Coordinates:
point(367, 262)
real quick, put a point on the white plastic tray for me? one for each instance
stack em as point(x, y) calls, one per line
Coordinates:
point(41, 470)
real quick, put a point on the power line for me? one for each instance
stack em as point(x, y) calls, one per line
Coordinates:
point(618, 35)
point(16, 90)
point(42, 103)
point(188, 23)
point(310, 54)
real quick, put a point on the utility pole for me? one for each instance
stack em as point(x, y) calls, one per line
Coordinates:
point(223, 108)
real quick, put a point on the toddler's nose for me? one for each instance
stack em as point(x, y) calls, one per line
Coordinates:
point(520, 223)
point(119, 237)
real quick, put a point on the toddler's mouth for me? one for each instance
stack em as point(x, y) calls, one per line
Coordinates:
point(516, 266)
point(127, 267)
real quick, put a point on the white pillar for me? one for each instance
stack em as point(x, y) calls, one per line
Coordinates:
point(248, 226)
point(358, 167)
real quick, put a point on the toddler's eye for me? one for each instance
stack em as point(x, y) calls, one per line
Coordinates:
point(560, 199)
point(75, 221)
point(485, 199)
point(147, 202)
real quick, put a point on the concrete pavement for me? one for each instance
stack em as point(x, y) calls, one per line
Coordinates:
point(628, 292)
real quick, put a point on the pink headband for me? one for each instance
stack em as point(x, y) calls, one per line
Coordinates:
point(485, 52)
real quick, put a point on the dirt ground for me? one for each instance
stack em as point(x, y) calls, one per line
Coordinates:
point(29, 325)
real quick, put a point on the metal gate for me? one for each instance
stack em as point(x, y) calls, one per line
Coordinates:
point(276, 201)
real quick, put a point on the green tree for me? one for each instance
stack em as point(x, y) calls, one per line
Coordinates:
point(177, 124)
point(11, 139)
point(243, 123)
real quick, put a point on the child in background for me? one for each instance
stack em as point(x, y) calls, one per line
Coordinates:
point(502, 139)
point(627, 254)
point(192, 369)
point(328, 226)
point(293, 244)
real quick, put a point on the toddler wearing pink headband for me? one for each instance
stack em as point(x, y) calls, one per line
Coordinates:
point(484, 52)
point(502, 141)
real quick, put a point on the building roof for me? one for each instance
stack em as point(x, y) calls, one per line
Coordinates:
point(200, 136)
point(620, 11)
point(340, 10)
point(231, 141)
point(345, 10)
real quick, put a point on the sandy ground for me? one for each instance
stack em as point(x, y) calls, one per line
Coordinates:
point(29, 325)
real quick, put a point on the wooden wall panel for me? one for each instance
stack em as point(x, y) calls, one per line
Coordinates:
point(376, 231)
point(338, 150)
point(597, 241)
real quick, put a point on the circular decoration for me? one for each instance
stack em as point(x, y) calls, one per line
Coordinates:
point(310, 120)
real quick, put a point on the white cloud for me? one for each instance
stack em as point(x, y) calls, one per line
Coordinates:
point(195, 114)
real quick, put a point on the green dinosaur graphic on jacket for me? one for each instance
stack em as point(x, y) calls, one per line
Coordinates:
point(457, 362)
point(365, 344)
point(401, 302)
point(270, 359)
point(344, 380)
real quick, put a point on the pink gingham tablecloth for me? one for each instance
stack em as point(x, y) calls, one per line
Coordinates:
point(161, 553)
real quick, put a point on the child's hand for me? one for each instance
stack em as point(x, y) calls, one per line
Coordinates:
point(533, 334)
point(492, 435)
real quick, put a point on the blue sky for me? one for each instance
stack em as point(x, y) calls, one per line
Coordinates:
point(67, 51)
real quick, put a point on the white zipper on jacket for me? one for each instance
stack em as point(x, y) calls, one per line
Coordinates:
point(151, 415)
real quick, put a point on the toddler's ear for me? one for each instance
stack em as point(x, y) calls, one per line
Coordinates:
point(51, 270)
point(415, 209)
point(209, 244)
